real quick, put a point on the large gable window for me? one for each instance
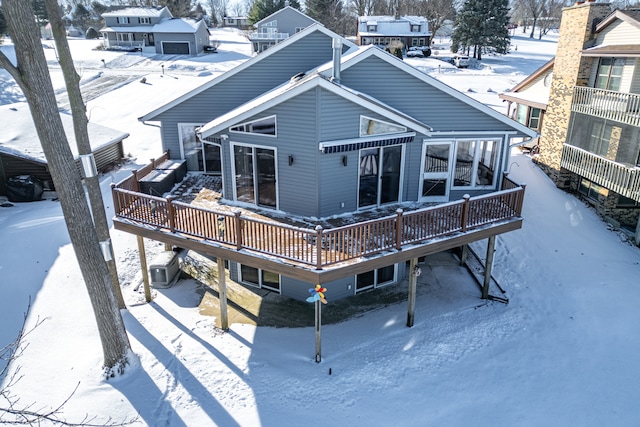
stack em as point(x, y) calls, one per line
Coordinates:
point(371, 126)
point(265, 126)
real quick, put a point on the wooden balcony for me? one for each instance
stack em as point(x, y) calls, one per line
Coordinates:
point(622, 179)
point(316, 255)
point(607, 104)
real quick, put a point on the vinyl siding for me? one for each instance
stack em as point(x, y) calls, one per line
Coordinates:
point(280, 66)
point(621, 33)
point(412, 96)
point(288, 20)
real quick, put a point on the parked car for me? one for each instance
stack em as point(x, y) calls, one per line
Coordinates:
point(426, 50)
point(461, 61)
point(415, 54)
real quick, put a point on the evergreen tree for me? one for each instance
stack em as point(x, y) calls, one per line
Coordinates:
point(482, 25)
point(330, 13)
point(263, 8)
point(40, 11)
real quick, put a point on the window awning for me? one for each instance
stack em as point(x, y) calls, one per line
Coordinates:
point(368, 142)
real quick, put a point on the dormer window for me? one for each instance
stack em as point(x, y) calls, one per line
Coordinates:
point(415, 28)
point(370, 126)
point(123, 19)
point(372, 28)
point(144, 20)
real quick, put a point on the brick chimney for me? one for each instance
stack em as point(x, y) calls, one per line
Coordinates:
point(570, 69)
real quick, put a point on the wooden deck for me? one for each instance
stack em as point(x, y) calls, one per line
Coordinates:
point(316, 255)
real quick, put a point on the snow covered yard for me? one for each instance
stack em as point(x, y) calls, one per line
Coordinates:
point(562, 352)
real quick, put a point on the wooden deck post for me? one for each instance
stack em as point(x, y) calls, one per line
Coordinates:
point(399, 228)
point(145, 272)
point(465, 212)
point(491, 244)
point(413, 279)
point(222, 295)
point(464, 252)
point(238, 221)
point(136, 187)
point(172, 214)
point(318, 247)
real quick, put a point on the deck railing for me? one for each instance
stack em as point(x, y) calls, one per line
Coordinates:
point(622, 179)
point(607, 104)
point(318, 247)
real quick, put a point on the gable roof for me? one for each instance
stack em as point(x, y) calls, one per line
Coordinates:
point(296, 87)
point(277, 12)
point(177, 25)
point(248, 63)
point(370, 50)
point(139, 11)
point(631, 16)
point(537, 98)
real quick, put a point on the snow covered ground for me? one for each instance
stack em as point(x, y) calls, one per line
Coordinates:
point(563, 352)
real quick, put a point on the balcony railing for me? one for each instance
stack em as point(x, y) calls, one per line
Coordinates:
point(268, 36)
point(318, 247)
point(607, 104)
point(622, 179)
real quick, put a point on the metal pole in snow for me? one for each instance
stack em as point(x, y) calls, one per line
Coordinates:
point(318, 337)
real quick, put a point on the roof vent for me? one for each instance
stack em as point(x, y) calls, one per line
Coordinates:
point(297, 77)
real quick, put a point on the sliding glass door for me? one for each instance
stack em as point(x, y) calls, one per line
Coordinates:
point(255, 175)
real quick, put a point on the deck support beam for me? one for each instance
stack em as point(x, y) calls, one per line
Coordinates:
point(145, 270)
point(222, 295)
point(318, 330)
point(413, 280)
point(491, 246)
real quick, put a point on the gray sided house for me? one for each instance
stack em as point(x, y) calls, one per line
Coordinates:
point(382, 30)
point(327, 144)
point(297, 132)
point(153, 31)
point(179, 119)
point(277, 27)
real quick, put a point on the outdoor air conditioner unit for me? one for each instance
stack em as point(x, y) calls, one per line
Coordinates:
point(164, 270)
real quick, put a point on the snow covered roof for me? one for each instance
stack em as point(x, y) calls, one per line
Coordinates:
point(19, 137)
point(138, 11)
point(384, 18)
point(176, 25)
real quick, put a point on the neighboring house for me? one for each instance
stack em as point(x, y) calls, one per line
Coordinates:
point(322, 145)
point(153, 31)
point(527, 101)
point(241, 22)
point(590, 138)
point(277, 27)
point(21, 151)
point(382, 30)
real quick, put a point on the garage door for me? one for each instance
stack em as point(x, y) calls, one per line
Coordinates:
point(175, 48)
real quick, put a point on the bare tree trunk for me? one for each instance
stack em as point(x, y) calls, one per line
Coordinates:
point(78, 111)
point(32, 75)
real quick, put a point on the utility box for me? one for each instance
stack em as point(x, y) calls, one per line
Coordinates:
point(164, 270)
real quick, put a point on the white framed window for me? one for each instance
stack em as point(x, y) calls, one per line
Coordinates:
point(437, 160)
point(415, 28)
point(371, 126)
point(259, 278)
point(376, 278)
point(144, 20)
point(475, 162)
point(372, 28)
point(124, 37)
point(266, 126)
point(122, 19)
point(298, 29)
